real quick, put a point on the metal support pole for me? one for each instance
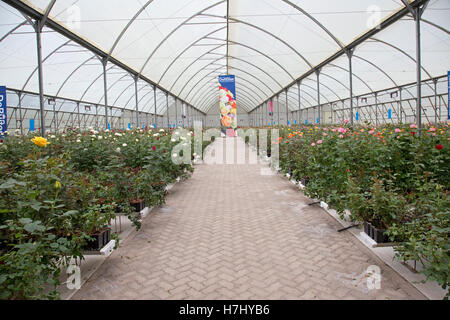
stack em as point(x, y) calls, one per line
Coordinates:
point(400, 108)
point(38, 29)
point(96, 116)
point(278, 110)
point(435, 103)
point(167, 105)
point(419, 72)
point(376, 108)
point(287, 108)
point(154, 100)
point(20, 113)
point(78, 115)
point(299, 104)
point(176, 114)
point(105, 88)
point(318, 95)
point(137, 101)
point(350, 67)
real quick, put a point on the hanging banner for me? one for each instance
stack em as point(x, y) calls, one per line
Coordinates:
point(227, 102)
point(3, 110)
point(270, 104)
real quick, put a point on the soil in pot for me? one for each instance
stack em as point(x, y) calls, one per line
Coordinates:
point(138, 204)
point(97, 240)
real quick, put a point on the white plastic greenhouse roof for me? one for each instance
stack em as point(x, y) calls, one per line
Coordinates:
point(183, 45)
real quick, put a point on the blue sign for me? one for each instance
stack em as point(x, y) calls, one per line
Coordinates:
point(295, 121)
point(317, 120)
point(390, 114)
point(32, 125)
point(448, 97)
point(288, 123)
point(154, 125)
point(357, 116)
point(109, 126)
point(3, 111)
point(170, 126)
point(306, 121)
point(129, 125)
point(269, 124)
point(274, 122)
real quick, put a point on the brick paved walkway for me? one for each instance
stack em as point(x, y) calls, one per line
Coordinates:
point(231, 233)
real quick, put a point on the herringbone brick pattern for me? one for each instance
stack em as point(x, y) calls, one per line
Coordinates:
point(231, 233)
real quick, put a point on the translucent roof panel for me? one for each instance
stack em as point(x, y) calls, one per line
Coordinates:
point(182, 46)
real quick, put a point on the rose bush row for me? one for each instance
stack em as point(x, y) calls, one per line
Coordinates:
point(389, 176)
point(55, 192)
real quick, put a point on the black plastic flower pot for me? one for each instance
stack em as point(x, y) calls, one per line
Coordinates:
point(138, 205)
point(379, 236)
point(106, 236)
point(305, 181)
point(366, 228)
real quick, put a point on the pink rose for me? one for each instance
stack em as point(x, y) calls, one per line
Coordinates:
point(319, 142)
point(342, 130)
point(413, 126)
point(346, 121)
point(341, 136)
point(432, 129)
point(398, 130)
point(371, 132)
point(313, 144)
point(325, 134)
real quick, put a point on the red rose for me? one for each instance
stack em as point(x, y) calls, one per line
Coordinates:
point(413, 133)
point(154, 148)
point(164, 151)
point(157, 138)
point(439, 146)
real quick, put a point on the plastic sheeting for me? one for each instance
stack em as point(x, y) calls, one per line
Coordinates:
point(184, 45)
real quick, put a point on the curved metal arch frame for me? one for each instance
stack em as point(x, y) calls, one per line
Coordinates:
point(246, 94)
point(207, 78)
point(195, 74)
point(197, 92)
point(189, 47)
point(335, 39)
point(245, 91)
point(213, 96)
point(43, 61)
point(213, 91)
point(192, 63)
point(260, 52)
point(211, 100)
point(174, 30)
point(267, 32)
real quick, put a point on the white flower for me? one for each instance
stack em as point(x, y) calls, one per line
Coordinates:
point(118, 150)
point(173, 140)
point(118, 134)
point(174, 155)
point(137, 140)
point(194, 154)
point(124, 145)
point(182, 138)
point(100, 137)
point(156, 134)
point(63, 135)
point(161, 130)
point(52, 136)
point(177, 132)
point(78, 140)
point(85, 149)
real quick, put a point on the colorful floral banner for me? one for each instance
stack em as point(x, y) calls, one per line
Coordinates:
point(3, 116)
point(227, 101)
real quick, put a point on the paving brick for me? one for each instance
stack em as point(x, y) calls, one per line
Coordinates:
point(231, 233)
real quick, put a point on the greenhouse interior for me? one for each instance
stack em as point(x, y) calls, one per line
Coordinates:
point(224, 150)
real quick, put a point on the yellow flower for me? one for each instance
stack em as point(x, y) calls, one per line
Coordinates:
point(40, 141)
point(57, 184)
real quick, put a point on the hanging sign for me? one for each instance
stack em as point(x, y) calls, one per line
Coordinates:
point(270, 104)
point(3, 111)
point(227, 102)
